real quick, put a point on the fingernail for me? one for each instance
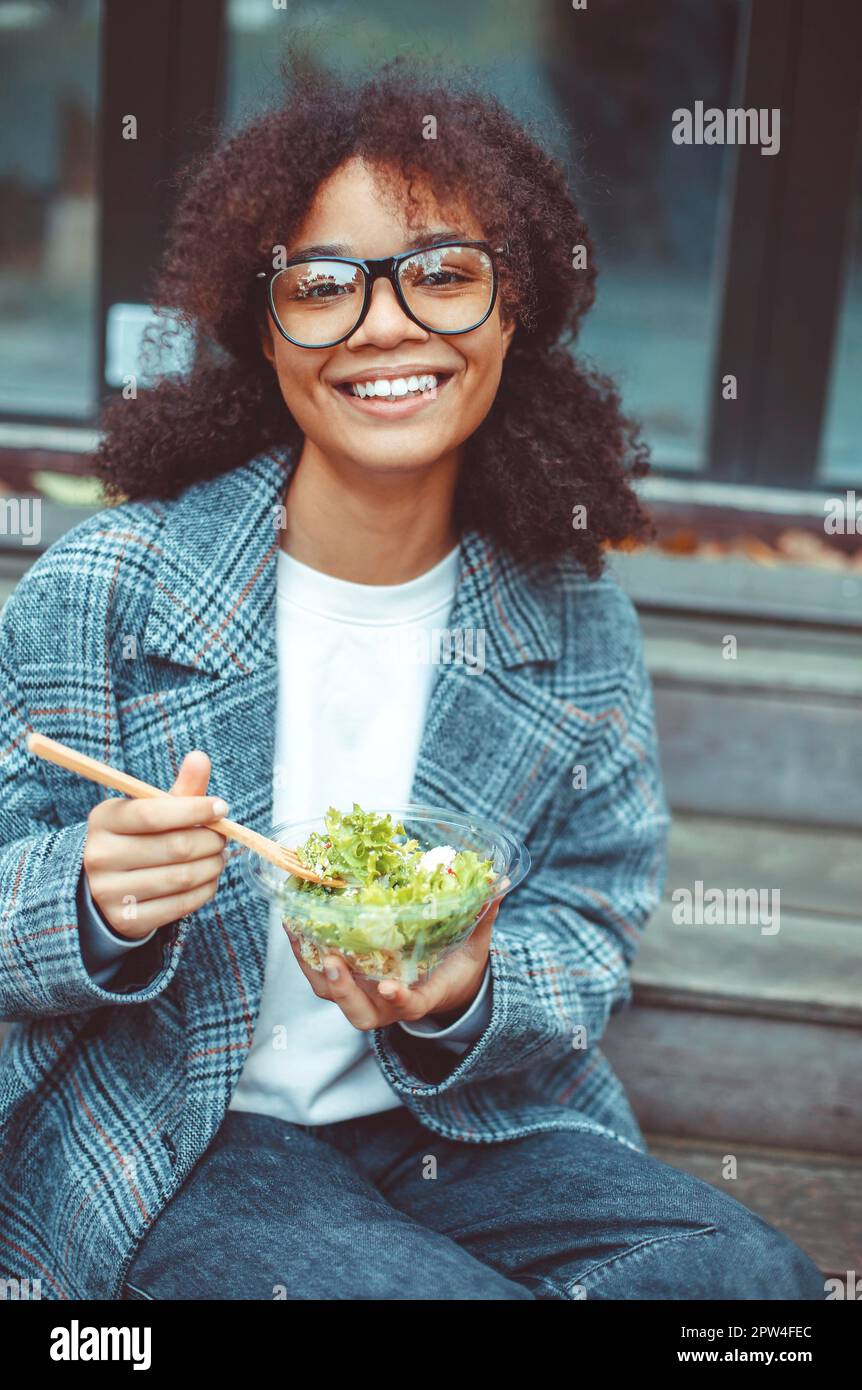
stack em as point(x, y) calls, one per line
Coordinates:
point(219, 808)
point(388, 989)
point(331, 972)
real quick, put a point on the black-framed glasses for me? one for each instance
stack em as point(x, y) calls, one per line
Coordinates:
point(320, 301)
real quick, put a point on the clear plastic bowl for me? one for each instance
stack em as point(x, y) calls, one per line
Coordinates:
point(403, 942)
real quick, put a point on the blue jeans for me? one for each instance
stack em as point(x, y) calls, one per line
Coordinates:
point(382, 1208)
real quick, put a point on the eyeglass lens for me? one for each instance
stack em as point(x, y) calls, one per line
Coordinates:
point(448, 288)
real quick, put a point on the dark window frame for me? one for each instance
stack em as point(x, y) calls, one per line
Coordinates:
point(162, 61)
point(779, 322)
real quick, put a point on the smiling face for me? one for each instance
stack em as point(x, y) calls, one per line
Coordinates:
point(408, 422)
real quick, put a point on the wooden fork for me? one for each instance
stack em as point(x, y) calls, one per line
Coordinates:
point(108, 776)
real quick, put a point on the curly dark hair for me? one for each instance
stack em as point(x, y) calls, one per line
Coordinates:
point(555, 436)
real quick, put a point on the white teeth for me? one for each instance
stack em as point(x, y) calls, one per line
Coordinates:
point(397, 386)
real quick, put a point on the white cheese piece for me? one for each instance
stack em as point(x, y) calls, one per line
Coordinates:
point(443, 854)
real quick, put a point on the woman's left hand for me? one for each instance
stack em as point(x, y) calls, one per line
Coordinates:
point(450, 989)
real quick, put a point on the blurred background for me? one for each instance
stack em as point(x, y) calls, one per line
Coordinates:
point(714, 259)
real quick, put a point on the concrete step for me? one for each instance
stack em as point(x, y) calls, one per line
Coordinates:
point(784, 593)
point(770, 734)
point(800, 957)
point(816, 870)
point(700, 1073)
point(768, 657)
point(738, 1033)
point(811, 970)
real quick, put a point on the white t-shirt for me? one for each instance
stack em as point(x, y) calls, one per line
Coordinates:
point(354, 677)
point(352, 699)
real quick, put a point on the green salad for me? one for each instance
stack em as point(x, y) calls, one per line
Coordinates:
point(402, 908)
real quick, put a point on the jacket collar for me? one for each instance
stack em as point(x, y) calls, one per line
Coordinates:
point(214, 595)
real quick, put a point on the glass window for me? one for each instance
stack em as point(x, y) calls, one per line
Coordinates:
point(49, 52)
point(653, 207)
point(505, 38)
point(615, 72)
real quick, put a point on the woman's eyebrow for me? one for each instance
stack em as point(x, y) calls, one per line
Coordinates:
point(422, 239)
point(331, 249)
point(429, 238)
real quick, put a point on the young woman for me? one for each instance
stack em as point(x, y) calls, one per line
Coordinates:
point(383, 434)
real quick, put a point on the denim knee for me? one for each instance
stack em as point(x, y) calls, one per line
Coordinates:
point(754, 1260)
point(731, 1254)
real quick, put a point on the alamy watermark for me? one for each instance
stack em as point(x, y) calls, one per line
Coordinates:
point(850, 1287)
point(77, 1343)
point(20, 1290)
point(735, 126)
point(22, 517)
point(843, 515)
point(405, 645)
point(719, 907)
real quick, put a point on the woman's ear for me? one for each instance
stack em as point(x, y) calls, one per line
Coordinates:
point(264, 335)
point(507, 332)
point(266, 344)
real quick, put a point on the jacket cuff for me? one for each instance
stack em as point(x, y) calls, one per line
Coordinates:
point(45, 974)
point(102, 949)
point(520, 1026)
point(465, 1030)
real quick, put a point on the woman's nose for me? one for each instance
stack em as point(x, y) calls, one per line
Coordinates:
point(386, 322)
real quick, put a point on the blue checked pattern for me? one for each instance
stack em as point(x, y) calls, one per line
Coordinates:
point(149, 629)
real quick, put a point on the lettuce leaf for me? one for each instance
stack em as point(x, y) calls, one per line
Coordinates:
point(384, 874)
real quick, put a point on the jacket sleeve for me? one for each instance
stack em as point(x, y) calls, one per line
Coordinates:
point(42, 970)
point(564, 941)
point(457, 1037)
point(105, 954)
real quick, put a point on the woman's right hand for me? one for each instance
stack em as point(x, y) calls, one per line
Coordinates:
point(148, 863)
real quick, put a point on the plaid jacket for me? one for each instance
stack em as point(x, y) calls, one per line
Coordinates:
point(149, 629)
